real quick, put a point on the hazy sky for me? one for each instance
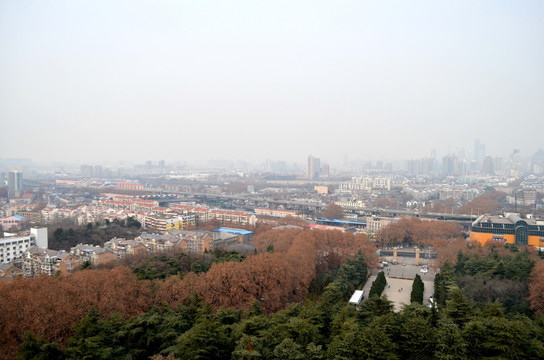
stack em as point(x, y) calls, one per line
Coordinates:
point(89, 81)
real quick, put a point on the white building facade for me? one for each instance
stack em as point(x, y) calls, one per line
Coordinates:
point(13, 247)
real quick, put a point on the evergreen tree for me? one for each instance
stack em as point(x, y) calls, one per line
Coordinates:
point(94, 338)
point(378, 285)
point(38, 349)
point(458, 308)
point(417, 339)
point(450, 344)
point(417, 290)
point(205, 340)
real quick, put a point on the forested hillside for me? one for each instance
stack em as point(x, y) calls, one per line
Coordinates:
point(287, 301)
point(276, 277)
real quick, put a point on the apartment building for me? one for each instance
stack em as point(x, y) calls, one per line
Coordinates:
point(164, 223)
point(38, 261)
point(13, 247)
point(122, 247)
point(94, 255)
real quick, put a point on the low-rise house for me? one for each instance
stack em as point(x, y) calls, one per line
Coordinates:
point(38, 261)
point(121, 247)
point(197, 241)
point(31, 216)
point(94, 255)
point(12, 222)
point(156, 243)
point(10, 271)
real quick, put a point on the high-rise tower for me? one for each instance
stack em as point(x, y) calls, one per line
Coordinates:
point(15, 183)
point(313, 167)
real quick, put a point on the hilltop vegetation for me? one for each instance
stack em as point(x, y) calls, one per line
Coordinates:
point(414, 231)
point(288, 301)
point(65, 236)
point(48, 306)
point(487, 203)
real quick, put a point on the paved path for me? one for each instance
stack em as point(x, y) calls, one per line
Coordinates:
point(399, 284)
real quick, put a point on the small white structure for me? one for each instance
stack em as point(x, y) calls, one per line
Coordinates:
point(357, 297)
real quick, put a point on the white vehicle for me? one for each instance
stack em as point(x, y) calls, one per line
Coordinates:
point(424, 270)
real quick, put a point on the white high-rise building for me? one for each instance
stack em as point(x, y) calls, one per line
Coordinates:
point(13, 247)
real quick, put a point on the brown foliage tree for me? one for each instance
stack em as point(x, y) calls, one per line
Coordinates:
point(275, 279)
point(48, 306)
point(483, 204)
point(447, 250)
point(536, 287)
point(386, 203)
point(267, 277)
point(333, 211)
point(417, 231)
point(440, 206)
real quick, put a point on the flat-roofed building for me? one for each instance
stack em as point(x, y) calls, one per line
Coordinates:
point(129, 186)
point(13, 247)
point(12, 222)
point(165, 223)
point(31, 216)
point(275, 212)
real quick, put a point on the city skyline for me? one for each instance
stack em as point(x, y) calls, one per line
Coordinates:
point(346, 162)
point(190, 82)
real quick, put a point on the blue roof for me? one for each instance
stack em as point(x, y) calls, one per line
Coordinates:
point(18, 217)
point(341, 221)
point(234, 231)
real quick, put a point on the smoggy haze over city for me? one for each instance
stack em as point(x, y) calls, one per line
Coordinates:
point(251, 80)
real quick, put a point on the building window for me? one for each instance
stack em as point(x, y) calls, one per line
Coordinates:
point(521, 235)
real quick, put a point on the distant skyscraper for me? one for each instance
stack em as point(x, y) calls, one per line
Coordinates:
point(479, 152)
point(449, 165)
point(487, 166)
point(537, 162)
point(15, 183)
point(87, 171)
point(498, 165)
point(325, 170)
point(98, 171)
point(313, 167)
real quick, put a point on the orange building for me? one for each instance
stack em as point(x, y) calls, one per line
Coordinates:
point(510, 228)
